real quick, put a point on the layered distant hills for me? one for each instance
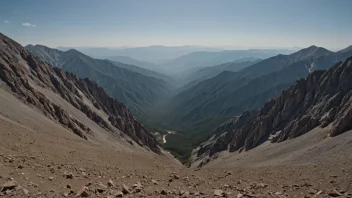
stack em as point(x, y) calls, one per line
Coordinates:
point(124, 82)
point(205, 58)
point(178, 60)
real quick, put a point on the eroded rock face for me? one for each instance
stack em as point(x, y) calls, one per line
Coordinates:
point(22, 72)
point(323, 98)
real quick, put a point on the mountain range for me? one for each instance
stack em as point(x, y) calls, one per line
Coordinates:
point(206, 58)
point(320, 102)
point(124, 82)
point(177, 61)
point(202, 107)
point(155, 54)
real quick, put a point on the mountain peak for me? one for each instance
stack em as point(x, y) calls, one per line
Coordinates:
point(314, 47)
point(73, 52)
point(349, 48)
point(310, 52)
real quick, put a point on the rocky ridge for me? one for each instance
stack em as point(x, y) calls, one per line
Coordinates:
point(23, 72)
point(323, 99)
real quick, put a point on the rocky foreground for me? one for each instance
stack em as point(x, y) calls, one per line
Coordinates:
point(30, 176)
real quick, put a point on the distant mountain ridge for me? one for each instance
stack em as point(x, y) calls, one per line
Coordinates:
point(206, 58)
point(137, 91)
point(131, 61)
point(155, 53)
point(146, 72)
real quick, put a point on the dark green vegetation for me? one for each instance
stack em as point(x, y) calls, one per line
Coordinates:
point(139, 92)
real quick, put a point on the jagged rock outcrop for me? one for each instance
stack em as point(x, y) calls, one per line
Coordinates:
point(322, 99)
point(26, 74)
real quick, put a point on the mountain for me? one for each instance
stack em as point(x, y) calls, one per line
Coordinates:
point(130, 61)
point(320, 104)
point(79, 105)
point(147, 72)
point(209, 72)
point(206, 58)
point(154, 54)
point(202, 107)
point(49, 55)
point(139, 92)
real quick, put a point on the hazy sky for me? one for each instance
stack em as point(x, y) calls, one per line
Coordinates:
point(113, 23)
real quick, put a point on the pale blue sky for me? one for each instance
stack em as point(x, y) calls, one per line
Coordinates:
point(113, 23)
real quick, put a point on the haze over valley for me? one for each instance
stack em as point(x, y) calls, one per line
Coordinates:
point(179, 99)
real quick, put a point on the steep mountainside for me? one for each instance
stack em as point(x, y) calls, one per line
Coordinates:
point(231, 93)
point(321, 100)
point(49, 55)
point(137, 91)
point(63, 97)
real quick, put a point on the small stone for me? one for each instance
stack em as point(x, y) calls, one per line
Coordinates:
point(83, 192)
point(334, 193)
point(68, 186)
point(84, 174)
point(51, 178)
point(68, 175)
point(239, 195)
point(181, 192)
point(101, 188)
point(319, 192)
point(155, 182)
point(219, 193)
point(125, 189)
point(9, 186)
point(263, 185)
point(163, 192)
point(117, 193)
point(137, 185)
point(25, 191)
point(137, 190)
point(176, 177)
point(110, 183)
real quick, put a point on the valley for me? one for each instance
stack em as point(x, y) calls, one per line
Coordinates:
point(208, 96)
point(188, 99)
